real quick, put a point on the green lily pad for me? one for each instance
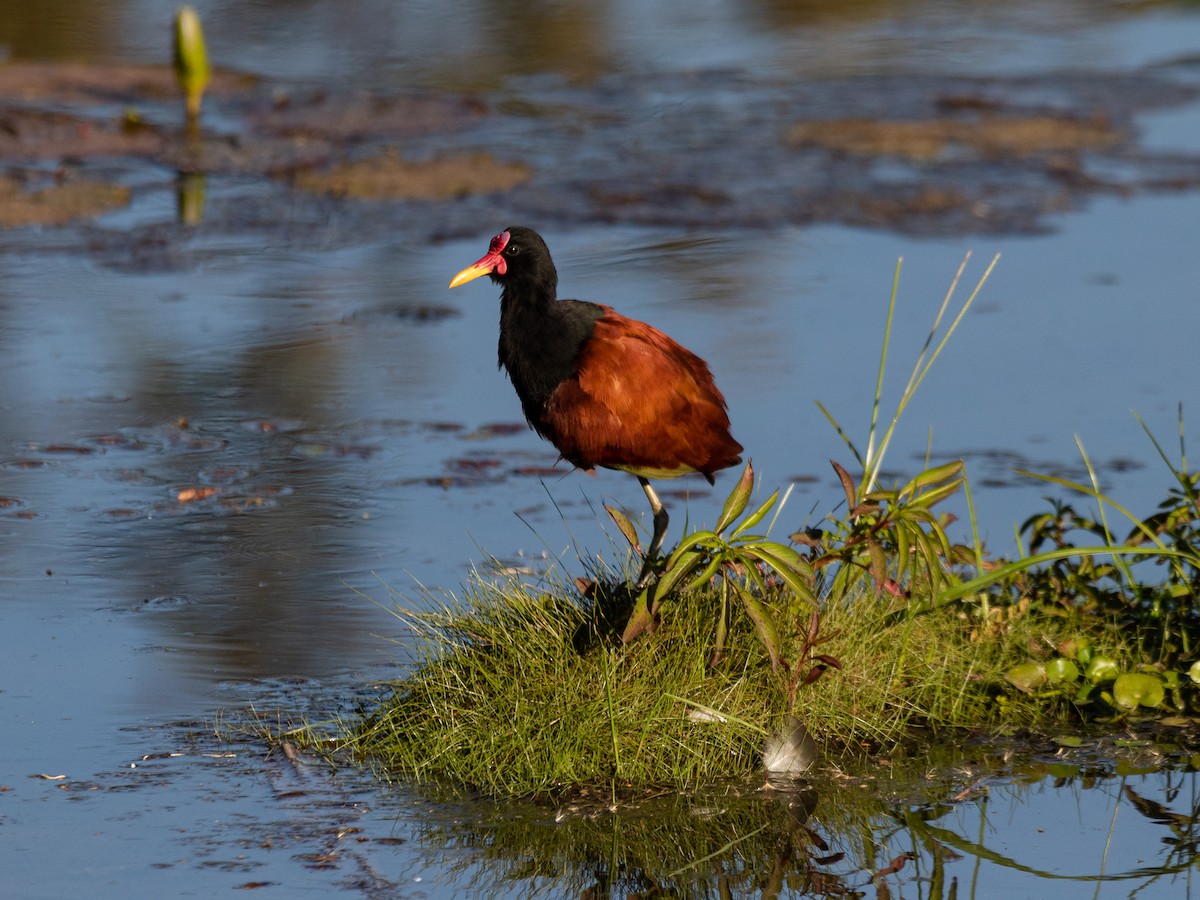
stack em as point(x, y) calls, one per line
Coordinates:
point(1102, 668)
point(1061, 670)
point(1027, 676)
point(1068, 740)
point(1194, 672)
point(1135, 689)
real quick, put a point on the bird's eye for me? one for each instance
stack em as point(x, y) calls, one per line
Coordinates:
point(512, 249)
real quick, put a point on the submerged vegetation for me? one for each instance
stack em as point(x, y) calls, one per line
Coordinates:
point(865, 631)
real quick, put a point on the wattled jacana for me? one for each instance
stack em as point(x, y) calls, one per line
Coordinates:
point(605, 390)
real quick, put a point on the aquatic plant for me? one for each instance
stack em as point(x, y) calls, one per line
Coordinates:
point(191, 61)
point(570, 687)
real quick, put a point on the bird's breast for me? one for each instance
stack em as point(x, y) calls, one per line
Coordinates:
point(540, 348)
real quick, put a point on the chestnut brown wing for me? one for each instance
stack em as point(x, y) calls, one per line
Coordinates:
point(640, 402)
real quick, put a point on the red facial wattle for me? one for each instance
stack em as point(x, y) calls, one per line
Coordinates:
point(491, 264)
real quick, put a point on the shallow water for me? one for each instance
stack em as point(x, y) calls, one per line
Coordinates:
point(218, 444)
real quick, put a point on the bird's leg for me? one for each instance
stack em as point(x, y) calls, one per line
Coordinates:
point(660, 532)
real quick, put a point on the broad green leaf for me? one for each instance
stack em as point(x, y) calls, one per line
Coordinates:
point(936, 495)
point(736, 503)
point(767, 631)
point(1068, 740)
point(708, 572)
point(776, 554)
point(1135, 689)
point(678, 568)
point(788, 565)
point(757, 516)
point(936, 475)
point(755, 576)
point(745, 538)
point(698, 538)
point(914, 513)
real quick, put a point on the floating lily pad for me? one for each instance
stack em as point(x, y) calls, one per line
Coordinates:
point(1102, 668)
point(1134, 689)
point(1027, 677)
point(1060, 670)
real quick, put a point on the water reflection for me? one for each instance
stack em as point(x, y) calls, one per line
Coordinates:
point(378, 45)
point(199, 461)
point(997, 827)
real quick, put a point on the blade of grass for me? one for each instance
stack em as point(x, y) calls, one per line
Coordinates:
point(869, 482)
point(922, 366)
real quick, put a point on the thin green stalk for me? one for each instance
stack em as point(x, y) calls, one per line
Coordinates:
point(977, 868)
point(966, 588)
point(887, 339)
point(841, 433)
point(1100, 498)
point(779, 508)
point(976, 544)
point(1182, 475)
point(1112, 827)
point(922, 366)
point(1182, 445)
point(612, 723)
point(937, 321)
point(719, 852)
point(1118, 559)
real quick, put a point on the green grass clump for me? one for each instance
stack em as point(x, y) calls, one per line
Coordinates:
point(518, 692)
point(869, 626)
